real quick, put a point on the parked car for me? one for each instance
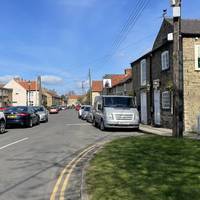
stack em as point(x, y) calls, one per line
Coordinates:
point(85, 112)
point(4, 108)
point(115, 112)
point(81, 111)
point(89, 117)
point(42, 112)
point(53, 110)
point(2, 123)
point(22, 115)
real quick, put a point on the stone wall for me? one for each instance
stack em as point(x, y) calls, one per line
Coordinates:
point(191, 84)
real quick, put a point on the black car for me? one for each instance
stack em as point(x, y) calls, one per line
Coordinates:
point(21, 115)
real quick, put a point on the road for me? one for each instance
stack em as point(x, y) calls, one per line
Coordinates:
point(31, 159)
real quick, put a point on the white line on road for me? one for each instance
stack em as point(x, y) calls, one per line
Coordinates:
point(81, 124)
point(18, 141)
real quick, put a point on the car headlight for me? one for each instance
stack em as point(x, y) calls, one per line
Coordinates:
point(110, 116)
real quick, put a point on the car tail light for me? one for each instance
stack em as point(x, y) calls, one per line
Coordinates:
point(22, 114)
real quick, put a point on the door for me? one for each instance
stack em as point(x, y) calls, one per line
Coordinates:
point(143, 97)
point(157, 107)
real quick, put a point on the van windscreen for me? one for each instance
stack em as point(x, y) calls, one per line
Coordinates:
point(118, 102)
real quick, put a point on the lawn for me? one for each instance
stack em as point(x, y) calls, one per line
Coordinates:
point(146, 168)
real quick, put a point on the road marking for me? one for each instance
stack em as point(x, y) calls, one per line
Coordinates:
point(18, 141)
point(56, 187)
point(66, 181)
point(81, 124)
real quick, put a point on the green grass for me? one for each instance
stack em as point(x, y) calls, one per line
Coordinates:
point(146, 168)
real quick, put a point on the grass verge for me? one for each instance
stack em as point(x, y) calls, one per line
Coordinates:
point(146, 168)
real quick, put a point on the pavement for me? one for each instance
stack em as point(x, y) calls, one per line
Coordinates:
point(34, 160)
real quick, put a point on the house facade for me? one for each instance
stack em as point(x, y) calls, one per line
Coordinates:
point(153, 77)
point(73, 100)
point(25, 92)
point(5, 96)
point(97, 88)
point(124, 86)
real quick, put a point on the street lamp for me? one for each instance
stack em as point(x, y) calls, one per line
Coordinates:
point(29, 88)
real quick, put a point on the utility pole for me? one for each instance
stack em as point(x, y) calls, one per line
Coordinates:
point(177, 71)
point(90, 86)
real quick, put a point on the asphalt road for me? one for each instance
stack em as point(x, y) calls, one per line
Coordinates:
point(31, 159)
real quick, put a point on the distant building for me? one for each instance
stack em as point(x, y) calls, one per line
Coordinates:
point(97, 88)
point(25, 92)
point(51, 98)
point(73, 100)
point(5, 96)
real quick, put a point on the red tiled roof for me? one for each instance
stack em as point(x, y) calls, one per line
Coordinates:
point(97, 86)
point(73, 97)
point(117, 79)
point(28, 85)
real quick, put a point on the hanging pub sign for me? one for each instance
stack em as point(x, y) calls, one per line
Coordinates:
point(107, 83)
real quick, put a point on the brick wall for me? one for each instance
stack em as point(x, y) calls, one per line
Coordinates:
point(191, 85)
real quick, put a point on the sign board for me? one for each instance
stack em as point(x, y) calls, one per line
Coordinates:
point(107, 83)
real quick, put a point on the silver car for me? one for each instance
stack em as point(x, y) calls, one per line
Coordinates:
point(86, 111)
point(42, 112)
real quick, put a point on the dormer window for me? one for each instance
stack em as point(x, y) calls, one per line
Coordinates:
point(165, 60)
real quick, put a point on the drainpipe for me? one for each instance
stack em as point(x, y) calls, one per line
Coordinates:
point(151, 92)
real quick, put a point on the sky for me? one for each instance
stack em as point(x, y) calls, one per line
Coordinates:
point(61, 39)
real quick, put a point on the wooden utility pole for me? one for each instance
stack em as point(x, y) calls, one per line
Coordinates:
point(90, 86)
point(177, 71)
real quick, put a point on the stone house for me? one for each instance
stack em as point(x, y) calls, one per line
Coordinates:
point(50, 98)
point(153, 77)
point(123, 86)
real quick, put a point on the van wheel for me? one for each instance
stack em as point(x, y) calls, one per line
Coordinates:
point(102, 127)
point(2, 127)
point(94, 123)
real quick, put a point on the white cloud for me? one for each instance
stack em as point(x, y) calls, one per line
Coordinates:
point(51, 79)
point(7, 78)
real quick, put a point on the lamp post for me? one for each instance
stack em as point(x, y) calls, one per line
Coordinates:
point(29, 89)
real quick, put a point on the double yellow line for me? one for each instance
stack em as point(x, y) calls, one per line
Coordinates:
point(65, 175)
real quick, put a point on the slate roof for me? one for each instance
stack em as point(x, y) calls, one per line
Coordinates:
point(188, 26)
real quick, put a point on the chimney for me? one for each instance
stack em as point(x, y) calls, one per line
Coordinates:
point(128, 71)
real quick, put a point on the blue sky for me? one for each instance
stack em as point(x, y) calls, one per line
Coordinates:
point(61, 39)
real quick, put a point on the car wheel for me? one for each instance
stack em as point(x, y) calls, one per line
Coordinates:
point(2, 127)
point(30, 123)
point(47, 119)
point(102, 127)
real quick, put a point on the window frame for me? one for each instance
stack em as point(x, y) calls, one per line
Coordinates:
point(165, 63)
point(143, 64)
point(197, 49)
point(169, 93)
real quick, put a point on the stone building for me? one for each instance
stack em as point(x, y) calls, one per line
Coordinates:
point(153, 77)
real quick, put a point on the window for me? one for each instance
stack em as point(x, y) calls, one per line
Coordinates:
point(166, 100)
point(143, 70)
point(165, 60)
point(197, 57)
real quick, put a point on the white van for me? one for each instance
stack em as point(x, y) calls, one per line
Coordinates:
point(115, 112)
